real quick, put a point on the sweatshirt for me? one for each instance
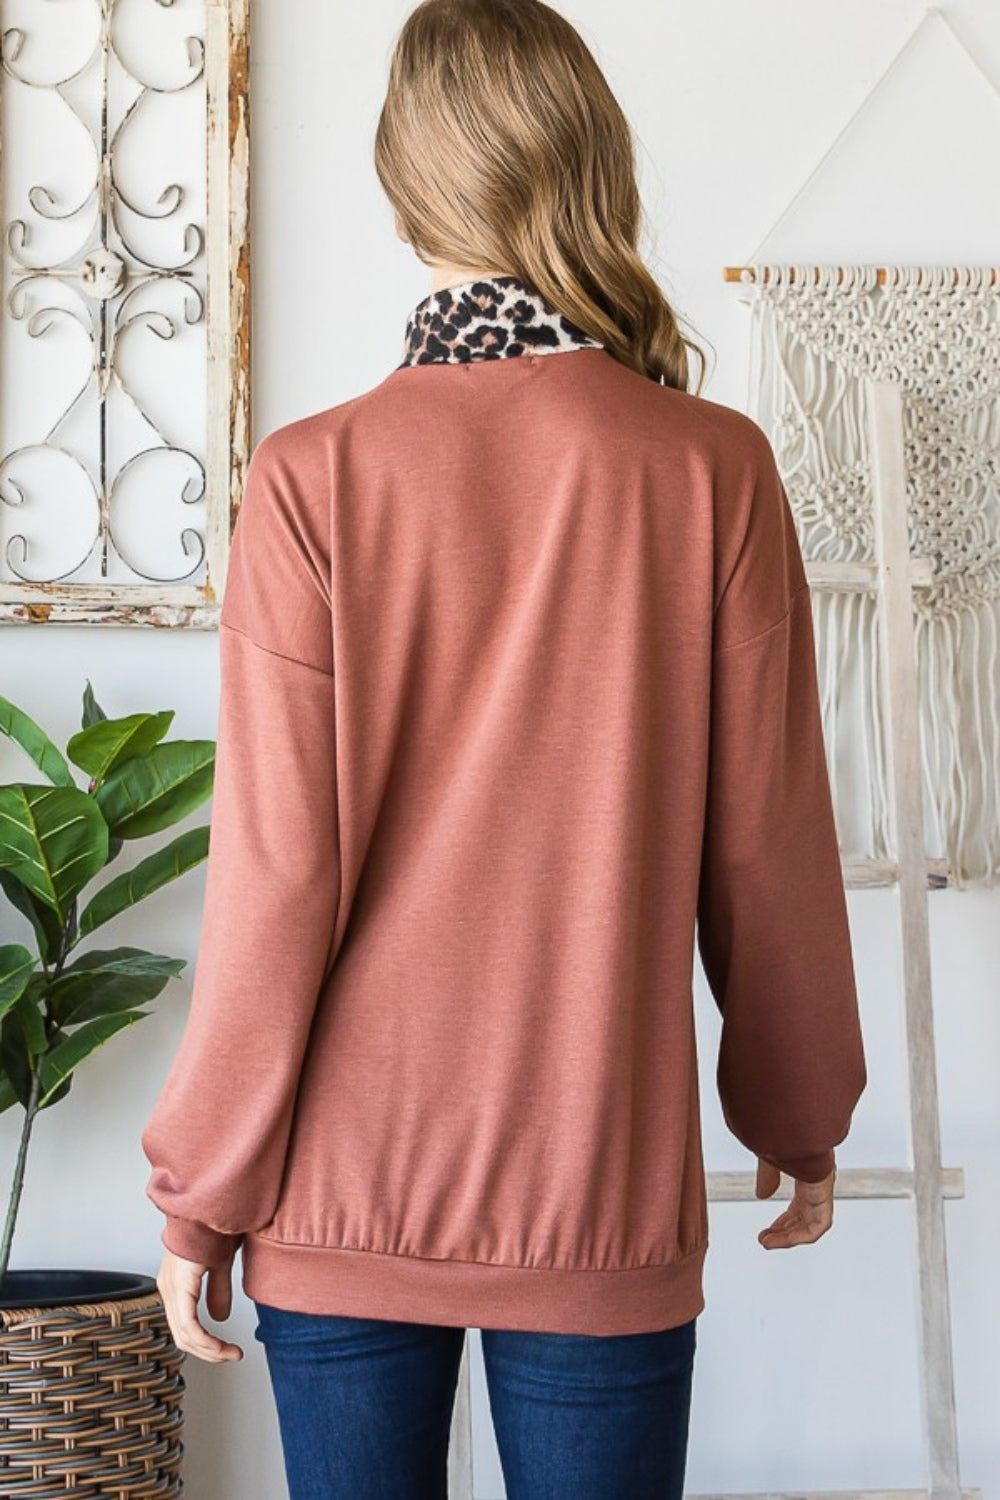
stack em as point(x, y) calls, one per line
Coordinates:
point(518, 706)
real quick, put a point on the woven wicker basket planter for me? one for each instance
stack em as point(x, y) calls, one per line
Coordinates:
point(90, 1390)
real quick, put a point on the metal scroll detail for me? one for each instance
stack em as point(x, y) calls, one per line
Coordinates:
point(105, 496)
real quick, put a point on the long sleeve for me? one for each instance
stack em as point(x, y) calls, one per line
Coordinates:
point(218, 1135)
point(772, 913)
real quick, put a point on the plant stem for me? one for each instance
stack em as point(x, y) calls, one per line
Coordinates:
point(31, 1109)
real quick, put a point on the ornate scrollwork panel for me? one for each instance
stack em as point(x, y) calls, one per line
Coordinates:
point(124, 322)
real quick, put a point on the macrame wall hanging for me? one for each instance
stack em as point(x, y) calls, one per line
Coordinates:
point(817, 334)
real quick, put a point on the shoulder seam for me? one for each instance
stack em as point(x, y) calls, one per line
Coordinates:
point(281, 655)
point(731, 645)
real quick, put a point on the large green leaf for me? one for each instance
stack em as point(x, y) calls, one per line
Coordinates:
point(105, 995)
point(53, 839)
point(60, 1061)
point(8, 1098)
point(104, 745)
point(57, 1093)
point(14, 1056)
point(93, 713)
point(47, 926)
point(125, 960)
point(183, 853)
point(152, 792)
point(16, 723)
point(67, 1083)
point(16, 968)
point(32, 1023)
point(114, 980)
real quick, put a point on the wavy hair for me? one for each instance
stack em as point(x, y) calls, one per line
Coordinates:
point(500, 145)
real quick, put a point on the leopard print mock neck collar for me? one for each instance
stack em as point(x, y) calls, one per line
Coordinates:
point(490, 317)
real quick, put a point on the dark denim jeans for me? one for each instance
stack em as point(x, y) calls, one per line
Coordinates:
point(365, 1405)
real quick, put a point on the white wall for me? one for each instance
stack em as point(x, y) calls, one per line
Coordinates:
point(806, 1373)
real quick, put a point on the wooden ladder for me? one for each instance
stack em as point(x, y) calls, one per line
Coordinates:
point(892, 577)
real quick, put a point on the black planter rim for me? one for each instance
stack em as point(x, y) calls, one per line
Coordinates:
point(67, 1286)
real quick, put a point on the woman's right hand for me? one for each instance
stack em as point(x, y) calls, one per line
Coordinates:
point(179, 1283)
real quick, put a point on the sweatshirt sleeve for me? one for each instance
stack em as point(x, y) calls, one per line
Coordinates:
point(773, 929)
point(218, 1134)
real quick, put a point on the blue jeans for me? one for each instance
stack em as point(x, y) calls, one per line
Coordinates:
point(365, 1406)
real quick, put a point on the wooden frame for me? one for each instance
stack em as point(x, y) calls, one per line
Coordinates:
point(227, 314)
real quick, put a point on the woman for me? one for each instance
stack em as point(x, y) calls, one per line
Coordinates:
point(518, 692)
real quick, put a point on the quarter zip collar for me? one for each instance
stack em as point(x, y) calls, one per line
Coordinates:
point(488, 317)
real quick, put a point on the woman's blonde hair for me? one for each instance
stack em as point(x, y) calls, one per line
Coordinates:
point(501, 145)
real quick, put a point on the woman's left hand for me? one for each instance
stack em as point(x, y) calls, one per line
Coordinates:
point(179, 1282)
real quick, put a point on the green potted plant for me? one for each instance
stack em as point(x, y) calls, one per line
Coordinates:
point(58, 1004)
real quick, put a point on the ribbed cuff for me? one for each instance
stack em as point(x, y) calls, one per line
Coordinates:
point(806, 1168)
point(199, 1242)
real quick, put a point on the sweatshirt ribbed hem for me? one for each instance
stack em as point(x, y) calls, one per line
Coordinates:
point(473, 1294)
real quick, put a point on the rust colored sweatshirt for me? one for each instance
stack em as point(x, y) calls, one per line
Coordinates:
point(518, 696)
